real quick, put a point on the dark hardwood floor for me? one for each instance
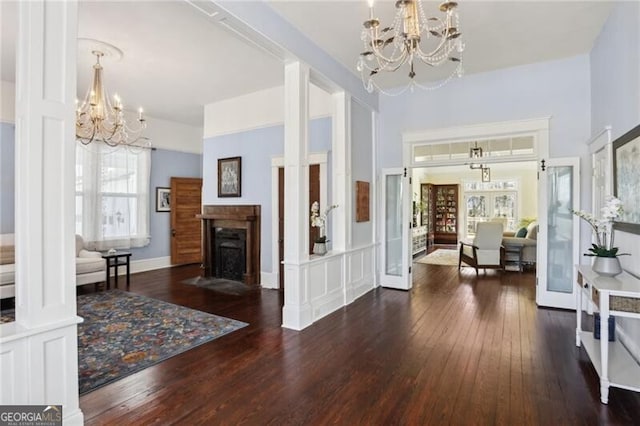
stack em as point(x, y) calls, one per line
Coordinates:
point(454, 350)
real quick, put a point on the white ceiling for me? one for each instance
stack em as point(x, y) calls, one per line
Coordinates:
point(176, 59)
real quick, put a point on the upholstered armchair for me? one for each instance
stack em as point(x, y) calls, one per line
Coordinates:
point(486, 250)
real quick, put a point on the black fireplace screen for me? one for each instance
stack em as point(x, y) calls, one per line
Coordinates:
point(230, 253)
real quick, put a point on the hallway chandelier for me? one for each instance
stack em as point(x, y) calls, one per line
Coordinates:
point(100, 120)
point(412, 36)
point(475, 154)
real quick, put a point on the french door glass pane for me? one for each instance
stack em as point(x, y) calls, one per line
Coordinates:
point(393, 225)
point(560, 229)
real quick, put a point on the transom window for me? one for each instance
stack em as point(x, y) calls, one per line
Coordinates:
point(443, 152)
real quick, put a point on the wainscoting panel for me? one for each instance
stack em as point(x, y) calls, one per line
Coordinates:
point(337, 279)
point(40, 366)
point(362, 272)
point(13, 369)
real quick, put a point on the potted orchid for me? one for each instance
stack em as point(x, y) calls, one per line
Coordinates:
point(606, 260)
point(320, 221)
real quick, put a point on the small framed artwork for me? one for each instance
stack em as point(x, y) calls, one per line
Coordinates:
point(626, 179)
point(229, 177)
point(362, 201)
point(486, 174)
point(163, 199)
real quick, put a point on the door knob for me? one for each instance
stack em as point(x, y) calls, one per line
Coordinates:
point(173, 232)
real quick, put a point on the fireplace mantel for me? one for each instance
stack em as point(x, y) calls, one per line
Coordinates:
point(241, 217)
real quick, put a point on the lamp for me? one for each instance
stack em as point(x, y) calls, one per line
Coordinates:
point(391, 47)
point(99, 120)
point(486, 174)
point(475, 153)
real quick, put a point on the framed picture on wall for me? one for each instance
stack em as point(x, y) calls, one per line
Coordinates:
point(163, 199)
point(626, 179)
point(229, 177)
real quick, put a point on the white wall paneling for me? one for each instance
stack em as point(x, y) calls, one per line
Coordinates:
point(296, 313)
point(337, 279)
point(44, 334)
point(341, 163)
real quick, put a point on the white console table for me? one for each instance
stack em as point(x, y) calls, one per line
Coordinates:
point(619, 296)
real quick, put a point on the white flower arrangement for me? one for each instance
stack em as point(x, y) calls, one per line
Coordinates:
point(603, 228)
point(320, 220)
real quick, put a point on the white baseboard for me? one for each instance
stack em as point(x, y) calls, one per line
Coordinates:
point(144, 265)
point(268, 280)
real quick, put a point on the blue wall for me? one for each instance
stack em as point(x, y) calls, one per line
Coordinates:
point(560, 89)
point(361, 169)
point(164, 165)
point(615, 71)
point(7, 178)
point(256, 147)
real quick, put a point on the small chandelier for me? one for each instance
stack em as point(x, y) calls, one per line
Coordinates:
point(99, 120)
point(475, 154)
point(433, 41)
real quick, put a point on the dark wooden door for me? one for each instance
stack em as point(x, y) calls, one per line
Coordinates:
point(314, 195)
point(186, 228)
point(281, 224)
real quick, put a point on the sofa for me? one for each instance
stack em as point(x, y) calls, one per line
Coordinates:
point(90, 266)
point(528, 242)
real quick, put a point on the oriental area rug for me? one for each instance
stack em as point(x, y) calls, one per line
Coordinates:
point(124, 333)
point(441, 257)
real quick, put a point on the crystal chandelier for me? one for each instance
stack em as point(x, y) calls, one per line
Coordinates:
point(412, 37)
point(100, 120)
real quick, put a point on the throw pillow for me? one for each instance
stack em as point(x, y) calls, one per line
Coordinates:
point(532, 231)
point(522, 232)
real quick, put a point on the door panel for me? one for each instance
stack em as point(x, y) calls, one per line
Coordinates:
point(186, 228)
point(558, 234)
point(396, 219)
point(281, 225)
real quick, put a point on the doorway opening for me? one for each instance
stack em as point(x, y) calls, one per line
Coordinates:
point(449, 201)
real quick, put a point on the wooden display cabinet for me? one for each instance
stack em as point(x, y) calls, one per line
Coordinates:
point(445, 199)
point(426, 196)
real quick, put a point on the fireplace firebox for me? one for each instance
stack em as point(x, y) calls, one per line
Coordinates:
point(230, 251)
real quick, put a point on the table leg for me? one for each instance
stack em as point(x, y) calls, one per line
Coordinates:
point(108, 278)
point(604, 347)
point(128, 274)
point(115, 278)
point(578, 314)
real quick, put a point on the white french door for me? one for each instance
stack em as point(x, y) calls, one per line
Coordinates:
point(559, 233)
point(396, 220)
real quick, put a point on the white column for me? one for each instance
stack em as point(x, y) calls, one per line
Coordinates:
point(296, 313)
point(341, 166)
point(38, 360)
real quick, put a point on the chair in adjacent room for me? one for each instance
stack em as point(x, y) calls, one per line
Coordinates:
point(486, 250)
